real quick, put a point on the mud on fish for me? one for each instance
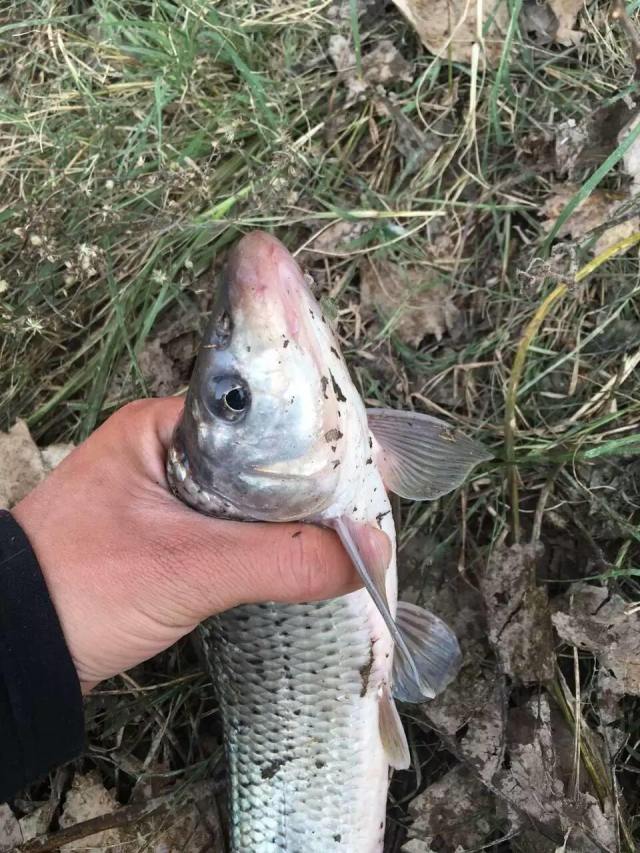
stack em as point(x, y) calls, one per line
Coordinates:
point(274, 429)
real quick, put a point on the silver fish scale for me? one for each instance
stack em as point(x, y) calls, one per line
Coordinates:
point(291, 681)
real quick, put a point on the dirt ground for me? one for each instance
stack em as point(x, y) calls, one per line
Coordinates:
point(460, 181)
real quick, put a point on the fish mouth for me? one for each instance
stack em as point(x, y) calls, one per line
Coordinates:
point(185, 487)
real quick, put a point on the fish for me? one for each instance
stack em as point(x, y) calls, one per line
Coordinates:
point(274, 429)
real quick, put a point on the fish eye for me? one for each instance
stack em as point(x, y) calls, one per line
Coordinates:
point(231, 398)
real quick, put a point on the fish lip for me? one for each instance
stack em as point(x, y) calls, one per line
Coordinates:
point(189, 489)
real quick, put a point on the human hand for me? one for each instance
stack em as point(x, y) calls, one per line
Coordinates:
point(130, 569)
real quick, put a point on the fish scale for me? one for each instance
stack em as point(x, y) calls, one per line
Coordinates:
point(291, 693)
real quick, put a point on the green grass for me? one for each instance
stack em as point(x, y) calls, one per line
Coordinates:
point(138, 140)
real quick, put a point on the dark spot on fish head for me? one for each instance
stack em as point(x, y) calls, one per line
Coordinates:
point(285, 344)
point(370, 442)
point(335, 463)
point(336, 389)
point(325, 382)
point(369, 461)
point(337, 838)
point(320, 763)
point(332, 435)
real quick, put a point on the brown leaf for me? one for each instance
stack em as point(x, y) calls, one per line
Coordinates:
point(538, 21)
point(382, 65)
point(598, 208)
point(449, 28)
point(24, 464)
point(589, 618)
point(532, 786)
point(457, 808)
point(518, 614)
point(36, 822)
point(10, 834)
point(189, 827)
point(474, 701)
point(160, 374)
point(589, 214)
point(22, 467)
point(410, 299)
point(631, 157)
point(335, 237)
point(566, 13)
point(88, 798)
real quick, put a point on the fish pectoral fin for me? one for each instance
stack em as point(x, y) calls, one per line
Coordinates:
point(421, 457)
point(392, 734)
point(416, 665)
point(434, 653)
point(371, 562)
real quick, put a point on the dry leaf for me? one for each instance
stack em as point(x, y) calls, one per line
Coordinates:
point(518, 614)
point(410, 299)
point(458, 808)
point(566, 12)
point(159, 372)
point(598, 208)
point(10, 834)
point(589, 214)
point(449, 28)
point(417, 846)
point(86, 799)
point(472, 707)
point(336, 237)
point(538, 21)
point(384, 64)
point(631, 158)
point(37, 822)
point(611, 717)
point(190, 826)
point(53, 455)
point(475, 702)
point(531, 784)
point(589, 618)
point(24, 464)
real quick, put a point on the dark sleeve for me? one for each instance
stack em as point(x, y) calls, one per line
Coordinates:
point(41, 713)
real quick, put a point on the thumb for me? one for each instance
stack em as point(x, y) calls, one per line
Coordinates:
point(259, 562)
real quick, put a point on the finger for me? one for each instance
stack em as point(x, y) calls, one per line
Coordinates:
point(245, 563)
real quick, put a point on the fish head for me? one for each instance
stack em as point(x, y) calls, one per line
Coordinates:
point(263, 431)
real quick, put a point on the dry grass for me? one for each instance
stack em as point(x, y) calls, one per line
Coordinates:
point(139, 139)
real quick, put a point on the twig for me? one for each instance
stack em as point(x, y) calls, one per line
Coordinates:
point(122, 817)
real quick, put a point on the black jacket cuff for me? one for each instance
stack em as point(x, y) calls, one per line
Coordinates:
point(41, 711)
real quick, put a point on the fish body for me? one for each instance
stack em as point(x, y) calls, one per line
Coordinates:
point(300, 687)
point(274, 429)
